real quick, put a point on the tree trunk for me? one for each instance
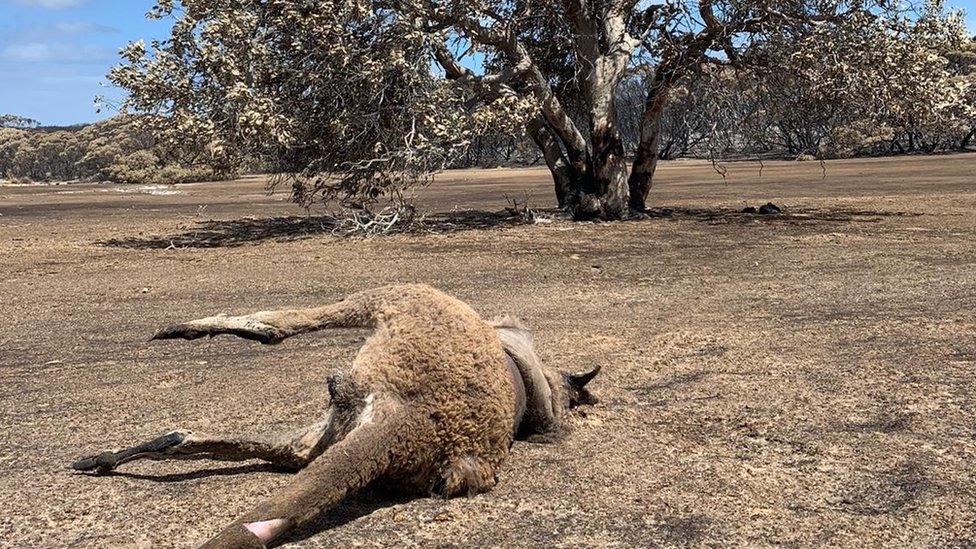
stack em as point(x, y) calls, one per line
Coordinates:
point(966, 140)
point(605, 193)
point(562, 172)
point(599, 192)
point(646, 158)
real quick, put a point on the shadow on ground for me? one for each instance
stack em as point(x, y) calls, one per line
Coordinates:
point(793, 216)
point(203, 473)
point(232, 233)
point(355, 507)
point(240, 232)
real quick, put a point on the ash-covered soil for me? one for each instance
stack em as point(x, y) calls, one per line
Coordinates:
point(805, 379)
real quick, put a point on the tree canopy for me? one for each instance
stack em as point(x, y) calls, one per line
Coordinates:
point(362, 99)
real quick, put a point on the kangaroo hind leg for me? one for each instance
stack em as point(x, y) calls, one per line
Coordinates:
point(366, 454)
point(294, 453)
point(268, 327)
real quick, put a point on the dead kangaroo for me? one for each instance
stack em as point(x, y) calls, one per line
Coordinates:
point(431, 405)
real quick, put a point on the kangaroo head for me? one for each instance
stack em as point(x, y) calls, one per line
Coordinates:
point(549, 393)
point(574, 386)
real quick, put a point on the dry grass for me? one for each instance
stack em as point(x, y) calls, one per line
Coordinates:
point(805, 379)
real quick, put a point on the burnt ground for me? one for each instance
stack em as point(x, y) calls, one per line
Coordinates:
point(805, 380)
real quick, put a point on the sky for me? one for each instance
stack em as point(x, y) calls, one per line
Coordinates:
point(54, 54)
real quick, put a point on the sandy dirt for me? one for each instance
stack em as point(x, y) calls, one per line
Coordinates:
point(803, 380)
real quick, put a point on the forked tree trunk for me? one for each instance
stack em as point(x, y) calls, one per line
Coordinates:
point(599, 191)
point(590, 177)
point(595, 168)
point(606, 188)
point(603, 191)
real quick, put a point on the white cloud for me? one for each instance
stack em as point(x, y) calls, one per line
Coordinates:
point(82, 28)
point(59, 30)
point(57, 42)
point(52, 4)
point(45, 52)
point(27, 52)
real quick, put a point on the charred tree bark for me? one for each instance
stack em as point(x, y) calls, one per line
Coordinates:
point(599, 192)
point(562, 172)
point(604, 47)
point(605, 193)
point(609, 189)
point(648, 149)
point(590, 173)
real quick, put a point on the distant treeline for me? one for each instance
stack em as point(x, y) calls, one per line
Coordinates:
point(115, 150)
point(720, 113)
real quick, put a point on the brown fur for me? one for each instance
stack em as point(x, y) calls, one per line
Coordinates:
point(427, 405)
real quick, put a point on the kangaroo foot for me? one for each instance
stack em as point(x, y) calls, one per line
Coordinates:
point(108, 461)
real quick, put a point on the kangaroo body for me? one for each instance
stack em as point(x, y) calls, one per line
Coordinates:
point(431, 404)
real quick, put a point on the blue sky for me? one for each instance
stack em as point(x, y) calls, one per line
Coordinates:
point(54, 53)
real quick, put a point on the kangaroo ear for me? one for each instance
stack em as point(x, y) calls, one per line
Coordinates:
point(579, 381)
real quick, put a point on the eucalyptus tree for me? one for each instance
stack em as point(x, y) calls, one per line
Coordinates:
point(882, 83)
point(364, 98)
